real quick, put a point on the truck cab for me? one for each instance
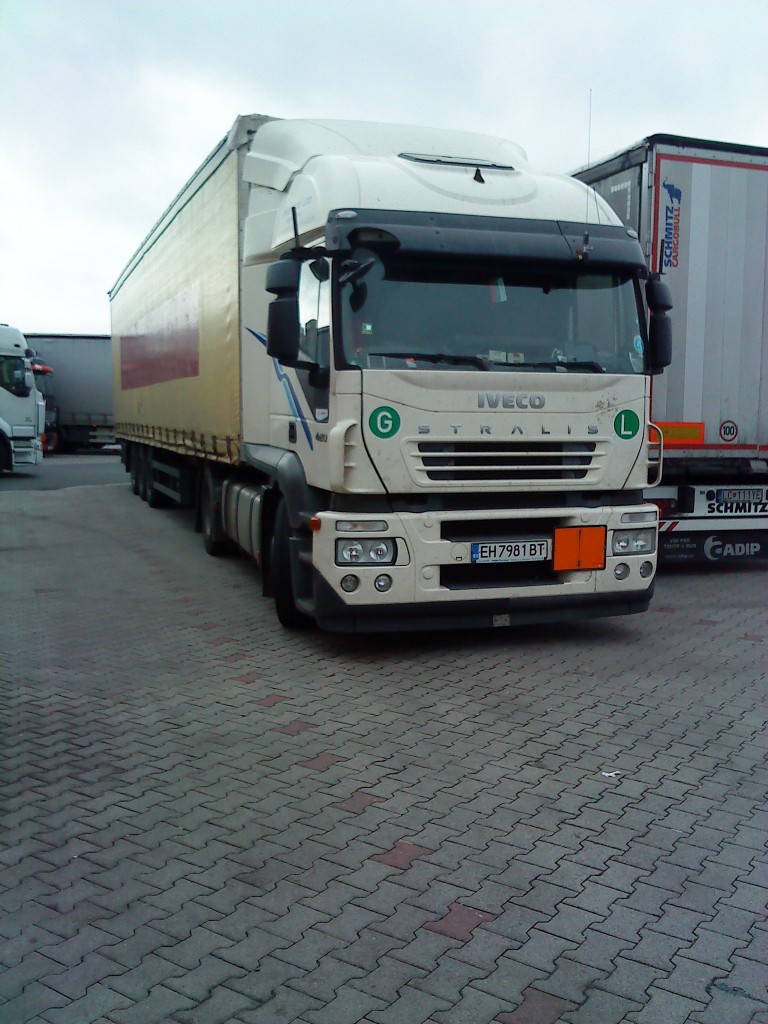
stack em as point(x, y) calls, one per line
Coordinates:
point(22, 408)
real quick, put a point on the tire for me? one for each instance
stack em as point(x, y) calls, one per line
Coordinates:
point(134, 457)
point(214, 539)
point(142, 468)
point(282, 584)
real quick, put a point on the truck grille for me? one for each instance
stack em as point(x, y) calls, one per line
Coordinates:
point(505, 462)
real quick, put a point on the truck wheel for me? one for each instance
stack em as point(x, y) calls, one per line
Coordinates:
point(134, 457)
point(214, 538)
point(142, 469)
point(282, 584)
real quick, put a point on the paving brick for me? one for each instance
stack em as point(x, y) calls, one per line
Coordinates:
point(541, 949)
point(571, 981)
point(350, 1006)
point(600, 950)
point(733, 1008)
point(474, 1005)
point(158, 1008)
point(220, 1007)
point(630, 979)
point(459, 923)
point(402, 854)
point(265, 978)
point(509, 979)
point(30, 968)
point(410, 1004)
point(31, 1004)
point(603, 1007)
point(657, 949)
point(665, 1008)
point(97, 1003)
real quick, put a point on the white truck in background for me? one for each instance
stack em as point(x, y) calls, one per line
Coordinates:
point(22, 409)
point(701, 210)
point(405, 372)
point(79, 395)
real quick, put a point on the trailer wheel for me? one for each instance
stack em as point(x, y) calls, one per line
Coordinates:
point(282, 584)
point(214, 538)
point(155, 499)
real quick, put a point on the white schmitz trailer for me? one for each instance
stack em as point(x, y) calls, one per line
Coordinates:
point(701, 210)
point(406, 373)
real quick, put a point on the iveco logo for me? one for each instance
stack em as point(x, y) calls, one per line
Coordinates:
point(509, 400)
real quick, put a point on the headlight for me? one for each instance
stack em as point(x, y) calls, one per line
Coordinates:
point(634, 542)
point(364, 551)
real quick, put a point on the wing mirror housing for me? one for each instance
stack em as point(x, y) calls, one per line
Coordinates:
point(283, 313)
point(659, 299)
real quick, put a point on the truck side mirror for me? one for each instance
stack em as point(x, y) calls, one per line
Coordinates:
point(283, 314)
point(659, 341)
point(657, 295)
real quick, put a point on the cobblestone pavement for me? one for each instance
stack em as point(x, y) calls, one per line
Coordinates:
point(209, 819)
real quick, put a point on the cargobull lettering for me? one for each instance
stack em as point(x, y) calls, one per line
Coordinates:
point(672, 225)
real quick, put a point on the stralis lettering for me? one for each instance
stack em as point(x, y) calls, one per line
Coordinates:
point(508, 400)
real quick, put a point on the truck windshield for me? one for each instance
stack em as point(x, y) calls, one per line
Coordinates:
point(465, 315)
point(12, 376)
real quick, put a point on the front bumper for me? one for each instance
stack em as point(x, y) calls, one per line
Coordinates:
point(27, 452)
point(333, 615)
point(433, 581)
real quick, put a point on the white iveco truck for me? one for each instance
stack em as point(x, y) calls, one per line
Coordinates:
point(406, 373)
point(22, 408)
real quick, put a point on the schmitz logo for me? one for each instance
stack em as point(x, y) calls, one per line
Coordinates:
point(672, 225)
point(715, 549)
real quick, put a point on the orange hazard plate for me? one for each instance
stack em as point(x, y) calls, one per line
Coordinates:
point(579, 547)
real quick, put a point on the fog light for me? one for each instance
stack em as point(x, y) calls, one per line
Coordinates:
point(646, 570)
point(349, 584)
point(621, 571)
point(383, 583)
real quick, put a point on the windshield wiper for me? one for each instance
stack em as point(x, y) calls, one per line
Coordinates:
point(436, 357)
point(556, 367)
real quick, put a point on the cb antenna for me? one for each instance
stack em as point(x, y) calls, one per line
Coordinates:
point(295, 227)
point(584, 251)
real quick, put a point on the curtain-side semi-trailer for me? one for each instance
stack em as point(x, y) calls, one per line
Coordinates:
point(79, 392)
point(22, 408)
point(701, 210)
point(406, 373)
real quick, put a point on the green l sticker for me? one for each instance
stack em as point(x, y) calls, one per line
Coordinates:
point(626, 424)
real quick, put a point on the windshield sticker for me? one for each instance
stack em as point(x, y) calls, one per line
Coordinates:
point(498, 290)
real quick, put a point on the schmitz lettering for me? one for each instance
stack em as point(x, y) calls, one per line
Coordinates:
point(737, 508)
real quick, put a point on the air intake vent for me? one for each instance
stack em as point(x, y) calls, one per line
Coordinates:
point(505, 461)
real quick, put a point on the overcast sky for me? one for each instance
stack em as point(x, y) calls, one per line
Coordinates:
point(107, 106)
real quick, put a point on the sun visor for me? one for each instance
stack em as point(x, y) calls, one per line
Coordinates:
point(462, 235)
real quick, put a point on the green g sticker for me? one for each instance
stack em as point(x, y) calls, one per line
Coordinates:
point(626, 424)
point(384, 421)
